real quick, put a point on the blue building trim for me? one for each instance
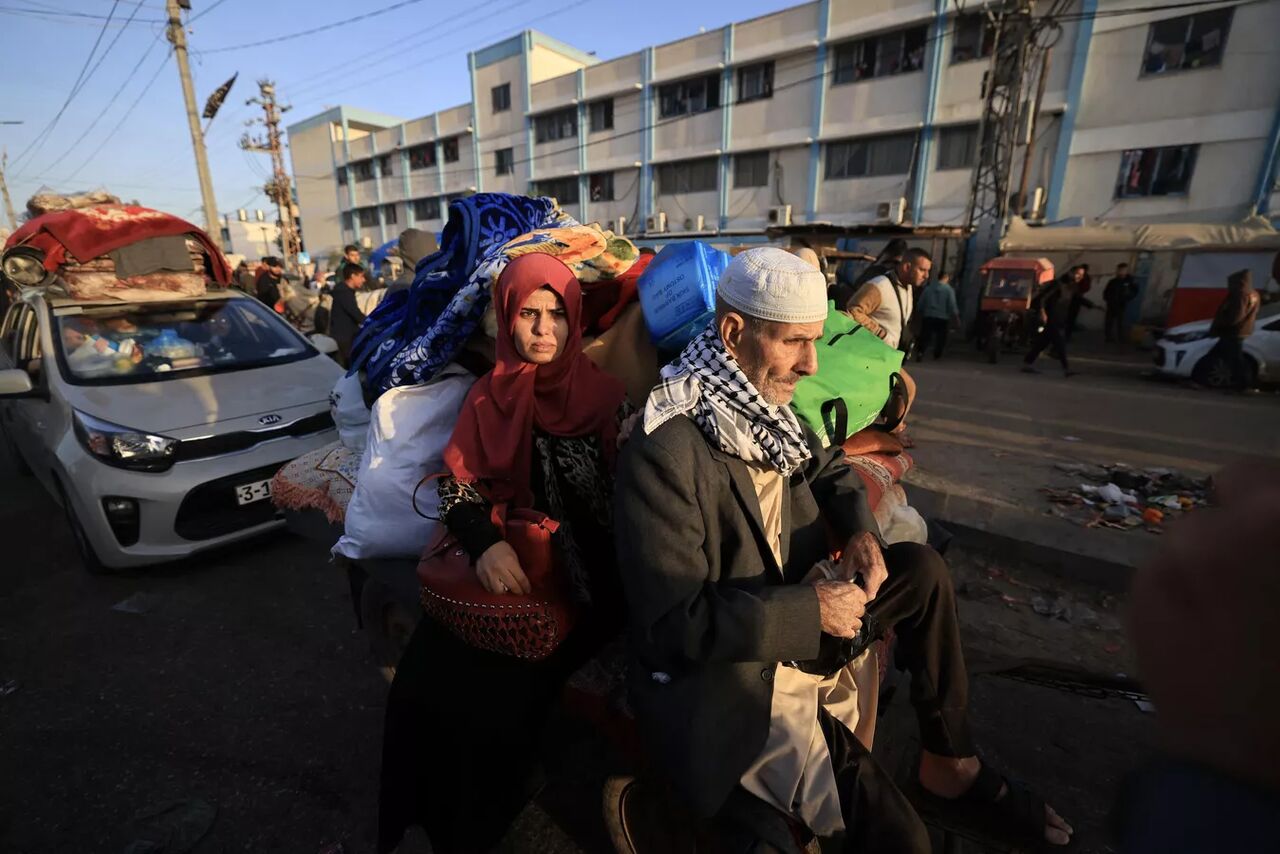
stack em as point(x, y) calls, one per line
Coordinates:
point(584, 181)
point(435, 140)
point(924, 154)
point(819, 108)
point(726, 125)
point(645, 188)
point(475, 114)
point(528, 99)
point(409, 221)
point(351, 184)
point(1270, 171)
point(504, 49)
point(1075, 88)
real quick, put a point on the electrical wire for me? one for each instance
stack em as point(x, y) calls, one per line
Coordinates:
point(53, 123)
point(334, 25)
point(110, 135)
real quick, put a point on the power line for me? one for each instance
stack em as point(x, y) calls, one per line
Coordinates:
point(110, 135)
point(75, 87)
point(314, 30)
point(206, 11)
point(51, 13)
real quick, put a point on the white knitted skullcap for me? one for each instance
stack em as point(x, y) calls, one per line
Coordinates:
point(772, 284)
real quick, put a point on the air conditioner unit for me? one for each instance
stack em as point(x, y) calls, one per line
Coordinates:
point(656, 224)
point(1035, 205)
point(622, 226)
point(892, 211)
point(366, 242)
point(780, 215)
point(694, 223)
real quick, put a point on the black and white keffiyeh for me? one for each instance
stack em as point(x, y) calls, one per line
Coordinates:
point(706, 384)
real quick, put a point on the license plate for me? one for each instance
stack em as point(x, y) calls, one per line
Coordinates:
point(247, 493)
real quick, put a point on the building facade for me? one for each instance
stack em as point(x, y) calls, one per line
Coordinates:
point(251, 234)
point(842, 111)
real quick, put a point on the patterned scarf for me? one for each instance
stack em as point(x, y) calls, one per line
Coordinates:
point(706, 384)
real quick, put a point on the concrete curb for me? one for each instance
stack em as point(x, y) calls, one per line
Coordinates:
point(1100, 557)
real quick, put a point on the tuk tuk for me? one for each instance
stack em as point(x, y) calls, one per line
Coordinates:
point(1008, 287)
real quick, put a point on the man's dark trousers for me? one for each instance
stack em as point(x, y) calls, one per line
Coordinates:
point(1115, 323)
point(1049, 338)
point(918, 602)
point(933, 329)
point(1231, 350)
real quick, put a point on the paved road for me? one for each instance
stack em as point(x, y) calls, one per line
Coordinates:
point(240, 684)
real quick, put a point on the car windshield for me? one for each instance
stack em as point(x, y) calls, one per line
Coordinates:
point(1009, 284)
point(150, 342)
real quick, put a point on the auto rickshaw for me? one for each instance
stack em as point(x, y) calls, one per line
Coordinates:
point(1008, 287)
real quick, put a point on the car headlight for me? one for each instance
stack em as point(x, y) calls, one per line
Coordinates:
point(1185, 337)
point(24, 265)
point(124, 447)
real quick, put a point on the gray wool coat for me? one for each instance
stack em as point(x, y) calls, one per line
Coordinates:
point(711, 612)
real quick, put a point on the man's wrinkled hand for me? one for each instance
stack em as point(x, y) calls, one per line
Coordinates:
point(841, 606)
point(863, 555)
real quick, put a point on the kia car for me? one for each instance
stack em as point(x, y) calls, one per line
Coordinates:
point(1186, 351)
point(157, 426)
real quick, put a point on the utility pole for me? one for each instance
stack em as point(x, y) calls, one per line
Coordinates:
point(278, 188)
point(178, 37)
point(4, 188)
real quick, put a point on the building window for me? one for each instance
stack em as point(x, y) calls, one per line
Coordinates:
point(1156, 171)
point(422, 156)
point(450, 146)
point(884, 55)
point(755, 82)
point(563, 190)
point(689, 176)
point(975, 38)
point(751, 170)
point(342, 176)
point(958, 147)
point(363, 170)
point(368, 217)
point(504, 161)
point(347, 222)
point(425, 209)
point(384, 166)
point(601, 115)
point(686, 97)
point(562, 124)
point(601, 185)
point(501, 98)
point(1192, 41)
point(389, 214)
point(871, 156)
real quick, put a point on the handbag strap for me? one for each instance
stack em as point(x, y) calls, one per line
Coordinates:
point(838, 432)
point(414, 499)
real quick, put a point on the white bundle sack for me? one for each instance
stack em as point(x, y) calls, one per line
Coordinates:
point(350, 415)
point(411, 426)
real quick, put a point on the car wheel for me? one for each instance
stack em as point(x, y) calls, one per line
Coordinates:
point(388, 622)
point(1212, 371)
point(88, 557)
point(15, 456)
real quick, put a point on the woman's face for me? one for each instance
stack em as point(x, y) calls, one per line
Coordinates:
point(542, 327)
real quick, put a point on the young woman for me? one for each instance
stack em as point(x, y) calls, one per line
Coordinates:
point(539, 431)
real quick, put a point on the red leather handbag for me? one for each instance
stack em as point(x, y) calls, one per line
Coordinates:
point(529, 627)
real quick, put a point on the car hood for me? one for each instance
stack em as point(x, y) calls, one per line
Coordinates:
point(1185, 328)
point(170, 406)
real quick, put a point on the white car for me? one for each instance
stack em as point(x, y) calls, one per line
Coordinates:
point(1184, 351)
point(158, 425)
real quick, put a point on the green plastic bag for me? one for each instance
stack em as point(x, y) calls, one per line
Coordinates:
point(856, 373)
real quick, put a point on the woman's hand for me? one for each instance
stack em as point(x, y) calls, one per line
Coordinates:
point(629, 424)
point(499, 571)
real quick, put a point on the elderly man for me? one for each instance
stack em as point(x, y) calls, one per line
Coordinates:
point(741, 627)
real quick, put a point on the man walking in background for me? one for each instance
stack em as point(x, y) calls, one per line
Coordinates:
point(939, 312)
point(1233, 323)
point(1116, 295)
point(267, 286)
point(1083, 282)
point(1052, 306)
point(345, 317)
point(884, 304)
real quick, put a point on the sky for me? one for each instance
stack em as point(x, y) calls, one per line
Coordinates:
point(125, 129)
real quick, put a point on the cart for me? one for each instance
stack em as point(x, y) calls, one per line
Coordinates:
point(1004, 316)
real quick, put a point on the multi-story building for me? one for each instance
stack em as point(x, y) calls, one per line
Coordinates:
point(251, 234)
point(842, 111)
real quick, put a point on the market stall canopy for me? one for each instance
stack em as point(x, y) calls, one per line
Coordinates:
point(1252, 233)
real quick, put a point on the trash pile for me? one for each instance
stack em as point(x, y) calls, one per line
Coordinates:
point(1125, 498)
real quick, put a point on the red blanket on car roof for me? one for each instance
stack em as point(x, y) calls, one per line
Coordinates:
point(91, 232)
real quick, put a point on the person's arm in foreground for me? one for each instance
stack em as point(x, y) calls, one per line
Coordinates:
point(841, 494)
point(863, 305)
point(1203, 626)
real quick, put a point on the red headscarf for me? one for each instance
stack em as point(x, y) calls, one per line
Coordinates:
point(492, 443)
